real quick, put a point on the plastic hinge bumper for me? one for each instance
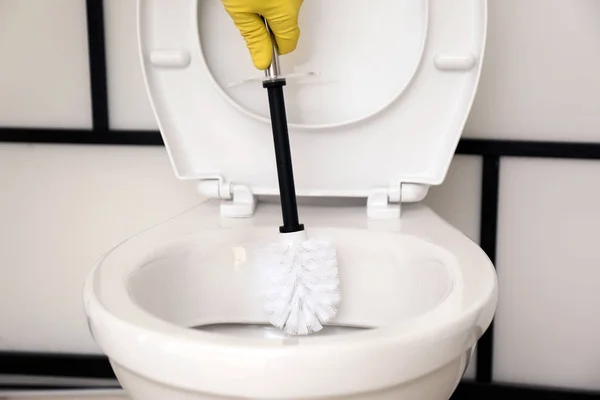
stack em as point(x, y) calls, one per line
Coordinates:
point(386, 203)
point(237, 201)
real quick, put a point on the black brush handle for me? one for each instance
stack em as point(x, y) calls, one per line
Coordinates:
point(283, 155)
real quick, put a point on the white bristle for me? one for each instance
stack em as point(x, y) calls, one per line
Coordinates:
point(302, 285)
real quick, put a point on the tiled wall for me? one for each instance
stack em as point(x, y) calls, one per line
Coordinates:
point(62, 206)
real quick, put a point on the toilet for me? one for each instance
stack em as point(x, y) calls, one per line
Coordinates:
point(377, 99)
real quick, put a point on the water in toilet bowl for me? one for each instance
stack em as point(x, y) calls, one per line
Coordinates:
point(269, 332)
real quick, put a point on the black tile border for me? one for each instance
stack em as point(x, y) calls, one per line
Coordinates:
point(92, 366)
point(500, 391)
point(473, 147)
point(526, 148)
point(57, 365)
point(465, 391)
point(490, 187)
point(30, 388)
point(80, 136)
point(492, 151)
point(97, 64)
point(36, 388)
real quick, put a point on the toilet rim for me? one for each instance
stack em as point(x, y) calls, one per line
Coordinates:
point(430, 323)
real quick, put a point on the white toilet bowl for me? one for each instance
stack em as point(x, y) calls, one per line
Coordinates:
point(417, 297)
point(176, 308)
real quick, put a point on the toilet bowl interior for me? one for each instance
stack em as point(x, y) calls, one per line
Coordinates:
point(211, 280)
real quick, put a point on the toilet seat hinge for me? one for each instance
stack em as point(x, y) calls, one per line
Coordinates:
point(386, 203)
point(237, 201)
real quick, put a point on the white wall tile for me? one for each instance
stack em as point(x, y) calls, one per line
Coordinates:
point(547, 325)
point(540, 74)
point(45, 77)
point(61, 208)
point(458, 200)
point(129, 106)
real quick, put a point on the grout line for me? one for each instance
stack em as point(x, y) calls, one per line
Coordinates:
point(97, 65)
point(80, 136)
point(6, 395)
point(488, 241)
point(528, 148)
point(44, 366)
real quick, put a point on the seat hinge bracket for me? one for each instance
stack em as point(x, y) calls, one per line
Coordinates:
point(237, 201)
point(386, 203)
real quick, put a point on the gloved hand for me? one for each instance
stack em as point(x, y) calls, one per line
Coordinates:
point(282, 17)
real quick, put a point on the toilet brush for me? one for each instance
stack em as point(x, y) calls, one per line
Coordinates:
point(301, 274)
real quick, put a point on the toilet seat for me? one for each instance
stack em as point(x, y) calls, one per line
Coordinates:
point(174, 355)
point(400, 138)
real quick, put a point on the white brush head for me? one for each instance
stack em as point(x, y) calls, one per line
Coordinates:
point(302, 284)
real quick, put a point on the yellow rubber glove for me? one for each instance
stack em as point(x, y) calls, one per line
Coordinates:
point(282, 17)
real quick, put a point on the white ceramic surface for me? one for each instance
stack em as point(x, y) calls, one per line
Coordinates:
point(431, 297)
point(438, 385)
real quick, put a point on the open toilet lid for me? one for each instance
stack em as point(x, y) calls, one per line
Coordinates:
point(377, 95)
